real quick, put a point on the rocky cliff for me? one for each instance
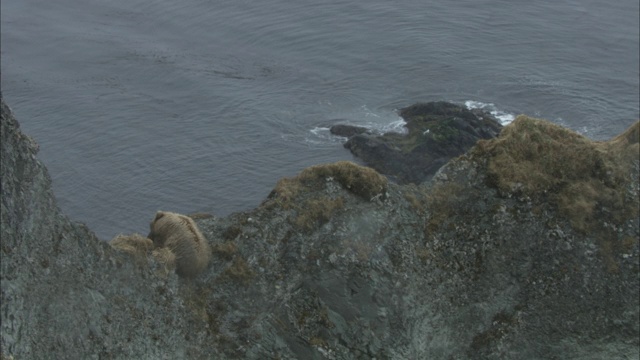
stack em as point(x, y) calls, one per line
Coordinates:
point(526, 247)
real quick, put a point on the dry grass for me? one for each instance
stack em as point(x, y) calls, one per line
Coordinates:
point(167, 260)
point(443, 201)
point(136, 245)
point(361, 248)
point(416, 197)
point(416, 205)
point(580, 176)
point(628, 243)
point(239, 271)
point(359, 180)
point(285, 193)
point(232, 232)
point(316, 212)
point(140, 247)
point(196, 299)
point(225, 250)
point(317, 341)
point(423, 253)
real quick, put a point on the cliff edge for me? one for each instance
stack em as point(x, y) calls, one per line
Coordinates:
point(524, 247)
point(67, 295)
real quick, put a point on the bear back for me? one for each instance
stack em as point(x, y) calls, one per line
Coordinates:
point(181, 235)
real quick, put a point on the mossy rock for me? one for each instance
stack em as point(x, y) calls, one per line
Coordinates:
point(359, 180)
point(585, 179)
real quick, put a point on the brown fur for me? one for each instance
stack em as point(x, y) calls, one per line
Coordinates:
point(180, 234)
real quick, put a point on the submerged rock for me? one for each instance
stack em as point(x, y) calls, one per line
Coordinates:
point(437, 132)
point(338, 263)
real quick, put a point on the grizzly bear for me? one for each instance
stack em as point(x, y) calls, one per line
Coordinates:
point(180, 234)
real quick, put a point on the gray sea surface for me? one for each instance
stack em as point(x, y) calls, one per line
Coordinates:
point(201, 105)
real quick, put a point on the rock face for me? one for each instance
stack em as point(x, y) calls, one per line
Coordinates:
point(337, 263)
point(347, 130)
point(66, 294)
point(437, 132)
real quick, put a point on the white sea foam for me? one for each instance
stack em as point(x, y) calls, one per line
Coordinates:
point(320, 135)
point(396, 126)
point(385, 121)
point(504, 117)
point(377, 121)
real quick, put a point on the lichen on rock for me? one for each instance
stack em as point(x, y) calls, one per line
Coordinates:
point(585, 179)
point(480, 262)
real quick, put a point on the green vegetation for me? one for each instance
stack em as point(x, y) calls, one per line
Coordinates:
point(440, 122)
point(441, 131)
point(585, 179)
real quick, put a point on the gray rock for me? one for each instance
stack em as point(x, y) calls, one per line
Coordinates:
point(347, 130)
point(436, 133)
point(67, 295)
point(454, 268)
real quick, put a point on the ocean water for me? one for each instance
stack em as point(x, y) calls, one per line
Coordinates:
point(202, 105)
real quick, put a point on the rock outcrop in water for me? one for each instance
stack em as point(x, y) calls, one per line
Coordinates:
point(525, 247)
point(436, 133)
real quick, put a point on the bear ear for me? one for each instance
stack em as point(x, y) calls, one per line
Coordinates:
point(159, 215)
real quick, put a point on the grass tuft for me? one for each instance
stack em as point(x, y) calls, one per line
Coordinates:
point(239, 271)
point(135, 245)
point(359, 180)
point(316, 212)
point(225, 250)
point(585, 179)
